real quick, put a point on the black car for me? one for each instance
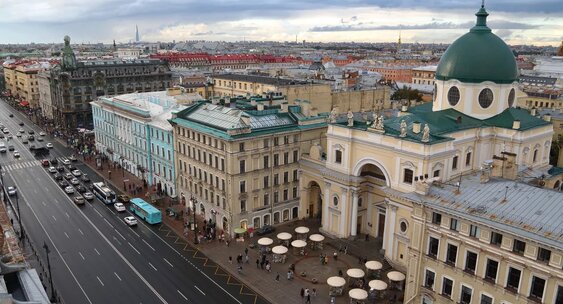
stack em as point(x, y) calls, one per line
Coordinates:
point(11, 148)
point(31, 147)
point(60, 168)
point(266, 229)
point(30, 138)
point(11, 115)
point(21, 123)
point(63, 184)
point(54, 161)
point(85, 178)
point(31, 132)
point(58, 176)
point(80, 189)
point(71, 167)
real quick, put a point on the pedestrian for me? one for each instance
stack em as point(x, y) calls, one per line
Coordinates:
point(367, 237)
point(326, 260)
point(278, 277)
point(262, 264)
point(302, 293)
point(345, 249)
point(340, 274)
point(314, 293)
point(246, 250)
point(306, 292)
point(230, 259)
point(308, 299)
point(289, 275)
point(257, 263)
point(268, 267)
point(335, 255)
point(360, 260)
point(246, 259)
point(239, 269)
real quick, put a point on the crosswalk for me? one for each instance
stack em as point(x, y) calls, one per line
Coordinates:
point(20, 165)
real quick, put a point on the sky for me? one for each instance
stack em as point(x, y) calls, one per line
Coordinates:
point(538, 22)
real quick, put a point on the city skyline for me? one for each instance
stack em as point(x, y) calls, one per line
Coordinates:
point(517, 22)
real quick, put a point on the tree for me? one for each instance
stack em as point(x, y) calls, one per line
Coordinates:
point(555, 150)
point(407, 94)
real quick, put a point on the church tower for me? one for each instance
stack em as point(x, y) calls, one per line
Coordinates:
point(69, 59)
point(137, 39)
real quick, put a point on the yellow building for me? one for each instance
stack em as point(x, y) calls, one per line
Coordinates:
point(445, 186)
point(22, 83)
point(424, 75)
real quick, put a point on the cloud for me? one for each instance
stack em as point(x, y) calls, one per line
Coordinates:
point(504, 33)
point(208, 33)
point(424, 26)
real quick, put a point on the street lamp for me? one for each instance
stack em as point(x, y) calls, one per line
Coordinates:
point(47, 251)
point(193, 202)
point(19, 217)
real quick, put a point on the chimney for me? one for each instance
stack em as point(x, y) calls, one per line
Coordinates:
point(547, 117)
point(260, 106)
point(533, 112)
point(516, 125)
point(404, 108)
point(284, 107)
point(505, 166)
point(416, 127)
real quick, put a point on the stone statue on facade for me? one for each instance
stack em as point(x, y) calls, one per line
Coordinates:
point(379, 125)
point(426, 133)
point(69, 59)
point(350, 117)
point(364, 115)
point(403, 129)
point(332, 116)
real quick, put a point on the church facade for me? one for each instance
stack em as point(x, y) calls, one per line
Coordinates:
point(445, 185)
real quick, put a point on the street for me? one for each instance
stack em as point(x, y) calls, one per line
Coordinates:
point(95, 257)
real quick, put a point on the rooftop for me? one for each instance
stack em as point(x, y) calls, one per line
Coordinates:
point(260, 79)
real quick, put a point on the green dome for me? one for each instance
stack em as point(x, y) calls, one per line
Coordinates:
point(478, 56)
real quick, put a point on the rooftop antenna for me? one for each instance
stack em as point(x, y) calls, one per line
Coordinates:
point(482, 3)
point(505, 194)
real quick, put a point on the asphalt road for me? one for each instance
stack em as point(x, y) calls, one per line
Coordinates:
point(95, 256)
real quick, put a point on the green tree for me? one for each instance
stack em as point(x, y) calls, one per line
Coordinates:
point(407, 94)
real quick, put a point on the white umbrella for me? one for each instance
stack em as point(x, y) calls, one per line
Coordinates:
point(373, 265)
point(377, 285)
point(279, 250)
point(302, 229)
point(284, 236)
point(316, 237)
point(265, 241)
point(336, 282)
point(298, 243)
point(395, 276)
point(355, 273)
point(358, 294)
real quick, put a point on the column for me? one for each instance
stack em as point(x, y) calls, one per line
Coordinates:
point(390, 231)
point(354, 227)
point(326, 202)
point(343, 212)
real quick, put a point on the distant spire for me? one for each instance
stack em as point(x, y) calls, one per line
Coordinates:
point(481, 24)
point(483, 3)
point(136, 33)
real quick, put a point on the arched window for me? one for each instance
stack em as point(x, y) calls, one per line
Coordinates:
point(485, 98)
point(453, 96)
point(535, 157)
point(335, 201)
point(511, 97)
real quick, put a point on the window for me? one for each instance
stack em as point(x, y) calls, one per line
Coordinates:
point(285, 194)
point(559, 298)
point(266, 181)
point(286, 177)
point(335, 201)
point(242, 186)
point(535, 158)
point(491, 270)
point(513, 279)
point(447, 286)
point(496, 238)
point(453, 96)
point(266, 143)
point(294, 192)
point(408, 176)
point(276, 197)
point(454, 224)
point(295, 175)
point(295, 156)
point(465, 295)
point(474, 231)
point(429, 279)
point(243, 206)
point(433, 245)
point(471, 262)
point(454, 163)
point(451, 255)
point(266, 161)
point(511, 96)
point(276, 160)
point(436, 218)
point(519, 247)
point(276, 179)
point(338, 156)
point(485, 98)
point(544, 255)
point(468, 159)
point(276, 141)
point(266, 199)
point(286, 140)
point(538, 285)
point(485, 299)
point(241, 147)
point(242, 166)
point(436, 173)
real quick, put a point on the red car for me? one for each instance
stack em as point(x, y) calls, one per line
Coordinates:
point(45, 163)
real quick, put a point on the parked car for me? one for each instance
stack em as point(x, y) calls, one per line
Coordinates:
point(60, 168)
point(52, 170)
point(45, 163)
point(69, 190)
point(31, 132)
point(63, 184)
point(31, 138)
point(81, 189)
point(6, 131)
point(22, 131)
point(130, 220)
point(58, 176)
point(16, 154)
point(88, 196)
point(12, 190)
point(49, 145)
point(11, 148)
point(71, 168)
point(76, 173)
point(54, 161)
point(119, 207)
point(18, 135)
point(39, 139)
point(79, 200)
point(68, 176)
point(72, 158)
point(85, 178)
point(266, 229)
point(123, 198)
point(11, 115)
point(74, 181)
point(21, 123)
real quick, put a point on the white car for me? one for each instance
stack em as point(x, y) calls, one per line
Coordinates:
point(66, 162)
point(18, 135)
point(16, 154)
point(21, 130)
point(39, 138)
point(119, 207)
point(52, 170)
point(76, 173)
point(129, 220)
point(69, 190)
point(88, 196)
point(6, 131)
point(12, 190)
point(49, 145)
point(75, 181)
point(42, 133)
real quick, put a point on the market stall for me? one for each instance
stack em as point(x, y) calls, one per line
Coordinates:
point(355, 277)
point(239, 234)
point(336, 285)
point(299, 247)
point(264, 243)
point(301, 233)
point(357, 295)
point(284, 238)
point(396, 279)
point(316, 241)
point(279, 254)
point(373, 269)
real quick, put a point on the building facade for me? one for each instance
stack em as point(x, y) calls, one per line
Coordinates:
point(424, 75)
point(452, 188)
point(22, 82)
point(240, 161)
point(132, 130)
point(73, 85)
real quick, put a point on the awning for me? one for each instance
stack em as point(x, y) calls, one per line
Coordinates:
point(24, 103)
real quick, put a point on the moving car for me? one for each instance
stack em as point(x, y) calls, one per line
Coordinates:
point(266, 229)
point(119, 207)
point(63, 184)
point(69, 190)
point(3, 148)
point(72, 158)
point(79, 200)
point(58, 176)
point(75, 181)
point(16, 154)
point(11, 115)
point(6, 131)
point(21, 123)
point(54, 161)
point(68, 176)
point(123, 198)
point(42, 133)
point(88, 196)
point(59, 168)
point(22, 131)
point(45, 162)
point(18, 135)
point(11, 148)
point(40, 139)
point(30, 138)
point(76, 173)
point(24, 141)
point(9, 136)
point(66, 162)
point(12, 190)
point(31, 132)
point(80, 189)
point(71, 168)
point(31, 147)
point(49, 145)
point(130, 220)
point(85, 178)
point(52, 169)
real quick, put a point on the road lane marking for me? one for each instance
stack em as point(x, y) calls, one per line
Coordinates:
point(120, 234)
point(68, 216)
point(168, 262)
point(199, 290)
point(117, 276)
point(183, 296)
point(108, 223)
point(68, 237)
point(100, 281)
point(54, 217)
point(135, 233)
point(152, 266)
point(134, 248)
point(96, 250)
point(44, 204)
point(149, 245)
point(98, 212)
point(81, 255)
point(80, 231)
point(117, 240)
